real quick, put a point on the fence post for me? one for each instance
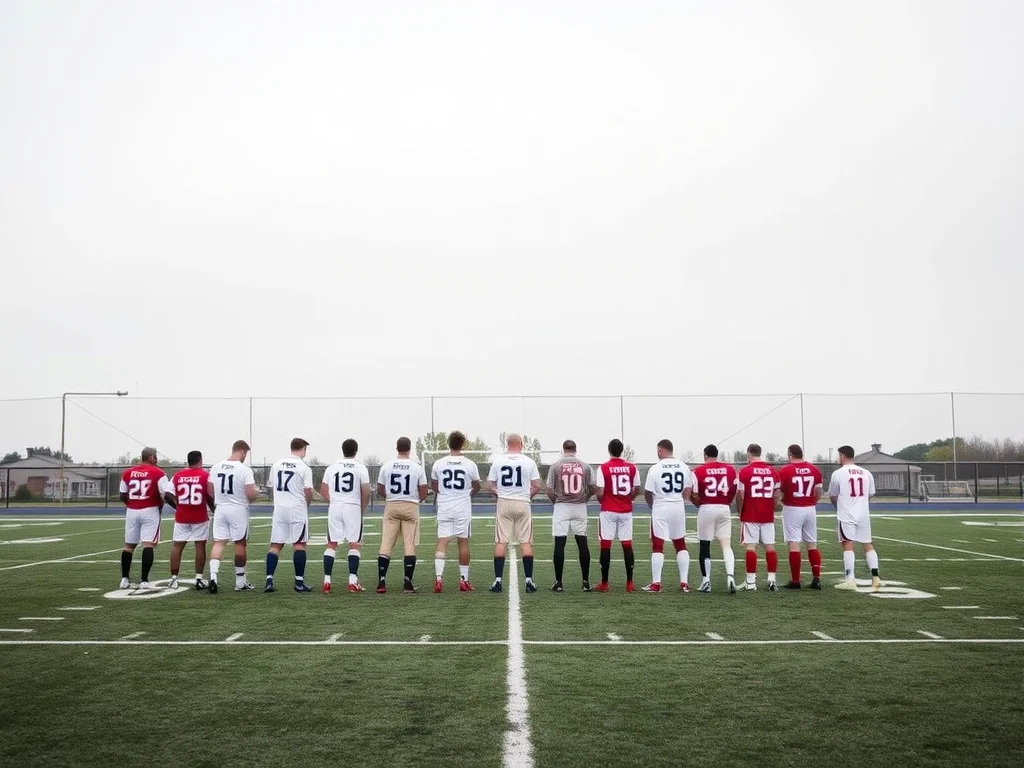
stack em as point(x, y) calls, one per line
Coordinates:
point(7, 492)
point(977, 483)
point(910, 487)
point(803, 436)
point(622, 420)
point(952, 411)
point(106, 489)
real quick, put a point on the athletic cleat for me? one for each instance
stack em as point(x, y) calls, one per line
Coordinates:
point(174, 583)
point(382, 587)
point(587, 587)
point(125, 584)
point(465, 586)
point(327, 588)
point(684, 588)
point(301, 586)
point(794, 585)
point(245, 586)
point(848, 585)
point(408, 588)
point(603, 587)
point(438, 586)
point(145, 585)
point(773, 587)
point(531, 587)
point(876, 584)
point(652, 587)
point(496, 587)
point(270, 586)
point(201, 585)
point(705, 586)
point(557, 587)
point(732, 587)
point(213, 586)
point(357, 587)
point(816, 584)
point(750, 587)
point(630, 587)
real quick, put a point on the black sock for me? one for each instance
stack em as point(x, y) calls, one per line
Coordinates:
point(630, 558)
point(584, 545)
point(874, 571)
point(705, 555)
point(606, 562)
point(126, 564)
point(559, 556)
point(382, 566)
point(528, 566)
point(299, 561)
point(353, 564)
point(499, 567)
point(409, 561)
point(147, 562)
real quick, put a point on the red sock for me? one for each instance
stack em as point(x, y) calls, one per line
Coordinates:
point(814, 555)
point(772, 560)
point(794, 565)
point(751, 562)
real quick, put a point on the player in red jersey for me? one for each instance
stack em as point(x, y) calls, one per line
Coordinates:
point(191, 499)
point(142, 491)
point(758, 493)
point(714, 488)
point(801, 489)
point(618, 483)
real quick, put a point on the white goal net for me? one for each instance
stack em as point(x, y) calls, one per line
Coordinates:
point(945, 490)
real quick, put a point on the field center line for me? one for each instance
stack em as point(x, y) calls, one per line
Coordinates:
point(61, 559)
point(932, 635)
point(823, 636)
point(518, 750)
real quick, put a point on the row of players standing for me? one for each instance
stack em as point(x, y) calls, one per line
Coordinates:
point(514, 478)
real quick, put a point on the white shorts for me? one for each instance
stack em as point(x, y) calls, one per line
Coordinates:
point(757, 533)
point(616, 525)
point(569, 518)
point(141, 525)
point(800, 524)
point(191, 531)
point(713, 522)
point(859, 531)
point(344, 523)
point(231, 523)
point(668, 522)
point(459, 525)
point(287, 529)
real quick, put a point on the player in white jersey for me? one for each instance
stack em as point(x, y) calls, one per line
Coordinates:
point(233, 488)
point(291, 480)
point(515, 480)
point(669, 486)
point(346, 487)
point(403, 483)
point(850, 488)
point(455, 480)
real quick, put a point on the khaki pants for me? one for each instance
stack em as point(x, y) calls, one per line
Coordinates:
point(400, 517)
point(512, 522)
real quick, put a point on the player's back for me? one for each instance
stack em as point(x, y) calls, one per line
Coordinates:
point(760, 481)
point(289, 478)
point(401, 479)
point(455, 476)
point(619, 478)
point(798, 481)
point(715, 482)
point(190, 486)
point(667, 480)
point(513, 474)
point(229, 478)
point(345, 480)
point(852, 486)
point(570, 479)
point(142, 485)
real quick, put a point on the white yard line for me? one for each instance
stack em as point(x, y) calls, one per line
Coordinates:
point(89, 589)
point(518, 748)
point(997, 618)
point(17, 630)
point(823, 636)
point(133, 635)
point(40, 618)
point(952, 549)
point(714, 636)
point(956, 589)
point(553, 643)
point(932, 635)
point(234, 638)
point(80, 608)
point(961, 607)
point(60, 560)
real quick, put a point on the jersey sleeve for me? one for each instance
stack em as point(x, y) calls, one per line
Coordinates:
point(307, 480)
point(534, 471)
point(435, 471)
point(423, 477)
point(474, 472)
point(248, 476)
point(493, 474)
point(599, 478)
point(124, 486)
point(364, 475)
point(636, 477)
point(833, 486)
point(551, 475)
point(689, 479)
point(164, 485)
point(651, 484)
point(871, 484)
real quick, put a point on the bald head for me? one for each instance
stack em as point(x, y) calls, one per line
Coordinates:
point(514, 443)
point(148, 455)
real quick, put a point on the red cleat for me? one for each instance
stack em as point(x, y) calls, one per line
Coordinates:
point(684, 588)
point(438, 586)
point(630, 587)
point(327, 587)
point(465, 586)
point(357, 587)
point(381, 589)
point(602, 587)
point(654, 586)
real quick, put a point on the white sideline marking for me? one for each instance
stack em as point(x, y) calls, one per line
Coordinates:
point(334, 638)
point(80, 608)
point(133, 635)
point(951, 549)
point(714, 636)
point(998, 618)
point(41, 618)
point(425, 639)
point(960, 541)
point(823, 636)
point(932, 635)
point(60, 560)
point(518, 749)
point(961, 607)
point(233, 638)
point(17, 630)
point(89, 589)
point(614, 638)
point(952, 588)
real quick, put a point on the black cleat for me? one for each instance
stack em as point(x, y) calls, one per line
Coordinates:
point(496, 587)
point(773, 587)
point(408, 588)
point(557, 587)
point(201, 585)
point(213, 586)
point(301, 586)
point(530, 586)
point(794, 585)
point(587, 587)
point(816, 584)
point(270, 586)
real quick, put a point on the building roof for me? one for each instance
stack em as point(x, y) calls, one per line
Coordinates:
point(49, 462)
point(876, 456)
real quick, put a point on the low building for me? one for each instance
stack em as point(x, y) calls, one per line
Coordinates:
point(893, 476)
point(41, 475)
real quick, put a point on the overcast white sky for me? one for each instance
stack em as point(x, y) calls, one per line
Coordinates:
point(352, 199)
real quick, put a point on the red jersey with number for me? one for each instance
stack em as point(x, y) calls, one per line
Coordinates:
point(799, 480)
point(714, 483)
point(190, 490)
point(142, 486)
point(760, 480)
point(618, 478)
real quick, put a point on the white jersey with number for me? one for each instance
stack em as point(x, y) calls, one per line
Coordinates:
point(513, 475)
point(667, 480)
point(345, 480)
point(454, 476)
point(402, 479)
point(229, 479)
point(852, 486)
point(289, 477)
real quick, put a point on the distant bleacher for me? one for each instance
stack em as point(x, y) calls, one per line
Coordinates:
point(931, 489)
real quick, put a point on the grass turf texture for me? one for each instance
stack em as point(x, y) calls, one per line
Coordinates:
point(426, 704)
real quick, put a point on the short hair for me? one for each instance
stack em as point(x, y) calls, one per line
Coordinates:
point(847, 451)
point(240, 445)
point(615, 447)
point(514, 439)
point(349, 448)
point(711, 451)
point(148, 453)
point(666, 444)
point(753, 449)
point(404, 445)
point(569, 445)
point(456, 440)
point(796, 451)
point(298, 443)
point(194, 458)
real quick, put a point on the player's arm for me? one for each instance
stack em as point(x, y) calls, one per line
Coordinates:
point(325, 490)
point(123, 495)
point(364, 496)
point(250, 485)
point(423, 488)
point(599, 484)
point(649, 487)
point(816, 493)
point(307, 486)
point(380, 491)
point(474, 488)
point(833, 491)
point(549, 489)
point(170, 499)
point(492, 480)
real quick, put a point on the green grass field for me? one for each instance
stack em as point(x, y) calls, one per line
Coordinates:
point(915, 676)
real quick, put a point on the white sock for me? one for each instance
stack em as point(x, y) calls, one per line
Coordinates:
point(214, 567)
point(529, 579)
point(683, 561)
point(730, 562)
point(239, 576)
point(464, 572)
point(848, 562)
point(438, 564)
point(657, 563)
point(771, 578)
point(872, 558)
point(327, 578)
point(707, 569)
point(199, 575)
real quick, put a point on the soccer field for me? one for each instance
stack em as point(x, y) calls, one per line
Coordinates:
point(928, 672)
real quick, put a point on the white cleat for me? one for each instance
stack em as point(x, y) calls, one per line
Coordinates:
point(174, 583)
point(732, 587)
point(145, 585)
point(876, 584)
point(125, 584)
point(849, 585)
point(243, 586)
point(750, 587)
point(705, 586)
point(773, 587)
